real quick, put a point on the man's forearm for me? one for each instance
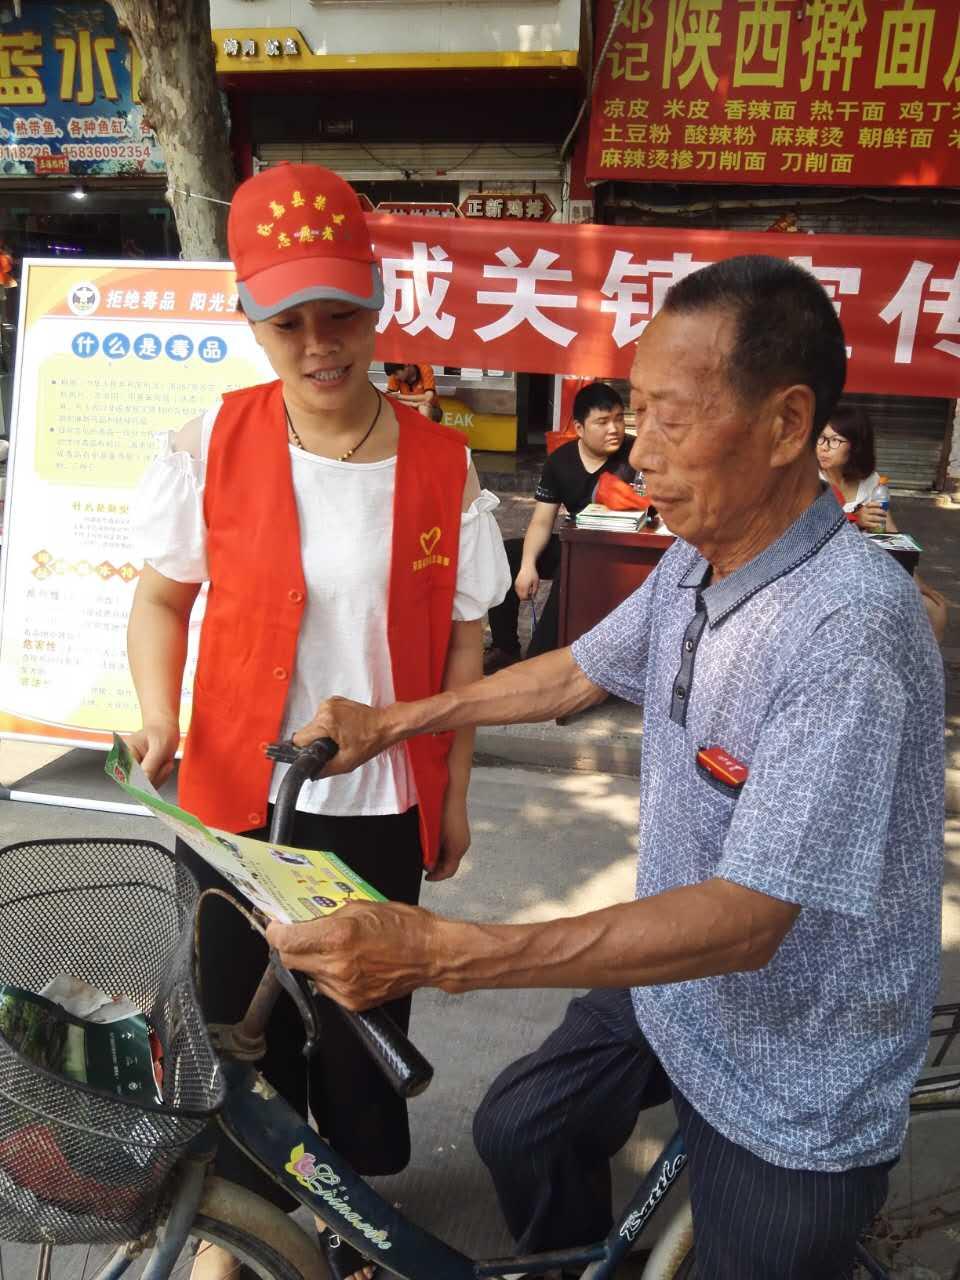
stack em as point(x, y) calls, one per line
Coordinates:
point(539, 689)
point(695, 931)
point(535, 540)
point(367, 953)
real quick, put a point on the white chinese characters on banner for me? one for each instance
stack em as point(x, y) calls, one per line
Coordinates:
point(949, 311)
point(411, 298)
point(835, 280)
point(905, 306)
point(557, 296)
point(634, 291)
point(524, 304)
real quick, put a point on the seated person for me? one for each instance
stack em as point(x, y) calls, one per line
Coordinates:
point(414, 384)
point(569, 479)
point(846, 454)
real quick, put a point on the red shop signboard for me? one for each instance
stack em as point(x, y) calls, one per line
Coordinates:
point(573, 298)
point(836, 92)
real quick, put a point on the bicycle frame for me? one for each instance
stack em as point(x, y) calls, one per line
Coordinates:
point(276, 1138)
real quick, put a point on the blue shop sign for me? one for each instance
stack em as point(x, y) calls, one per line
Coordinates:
point(69, 95)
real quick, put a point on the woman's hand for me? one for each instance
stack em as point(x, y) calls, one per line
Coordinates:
point(873, 518)
point(454, 836)
point(155, 746)
point(527, 583)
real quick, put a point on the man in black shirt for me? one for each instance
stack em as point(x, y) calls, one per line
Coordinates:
point(569, 479)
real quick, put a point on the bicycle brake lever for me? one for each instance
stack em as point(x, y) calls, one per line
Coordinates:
point(297, 988)
point(317, 755)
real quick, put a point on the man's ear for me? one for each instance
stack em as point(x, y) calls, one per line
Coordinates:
point(578, 428)
point(792, 427)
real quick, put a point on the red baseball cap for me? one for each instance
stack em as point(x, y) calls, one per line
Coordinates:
point(297, 233)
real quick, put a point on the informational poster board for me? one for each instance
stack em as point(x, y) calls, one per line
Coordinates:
point(110, 356)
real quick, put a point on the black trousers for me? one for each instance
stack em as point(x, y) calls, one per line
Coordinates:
point(354, 1107)
point(503, 617)
point(551, 1122)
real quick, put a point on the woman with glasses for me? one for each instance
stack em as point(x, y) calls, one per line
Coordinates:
point(847, 459)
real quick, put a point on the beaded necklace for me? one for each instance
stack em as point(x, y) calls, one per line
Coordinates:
point(292, 431)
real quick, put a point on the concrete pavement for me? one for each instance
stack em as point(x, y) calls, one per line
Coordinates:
point(544, 844)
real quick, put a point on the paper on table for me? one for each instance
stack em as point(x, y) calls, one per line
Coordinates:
point(285, 883)
point(895, 541)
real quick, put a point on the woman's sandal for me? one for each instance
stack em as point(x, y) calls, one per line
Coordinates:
point(342, 1258)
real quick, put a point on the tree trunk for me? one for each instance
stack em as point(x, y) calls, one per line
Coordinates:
point(181, 100)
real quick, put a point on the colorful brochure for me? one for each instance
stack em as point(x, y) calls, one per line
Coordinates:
point(284, 883)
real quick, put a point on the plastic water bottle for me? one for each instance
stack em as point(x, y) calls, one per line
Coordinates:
point(881, 494)
point(639, 484)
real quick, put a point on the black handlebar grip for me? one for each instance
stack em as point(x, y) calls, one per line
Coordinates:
point(401, 1062)
point(321, 752)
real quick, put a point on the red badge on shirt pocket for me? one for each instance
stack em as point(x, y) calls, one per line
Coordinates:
point(722, 766)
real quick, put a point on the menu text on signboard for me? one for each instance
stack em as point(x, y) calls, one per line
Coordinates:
point(842, 92)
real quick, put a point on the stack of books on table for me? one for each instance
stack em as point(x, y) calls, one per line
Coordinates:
point(595, 516)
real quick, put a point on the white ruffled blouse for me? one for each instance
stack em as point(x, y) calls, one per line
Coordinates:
point(346, 518)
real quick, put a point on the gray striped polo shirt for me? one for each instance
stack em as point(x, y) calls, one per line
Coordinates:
point(816, 667)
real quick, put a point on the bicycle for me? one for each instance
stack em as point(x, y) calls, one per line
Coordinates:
point(157, 1161)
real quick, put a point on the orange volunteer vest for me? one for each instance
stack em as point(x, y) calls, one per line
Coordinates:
point(248, 642)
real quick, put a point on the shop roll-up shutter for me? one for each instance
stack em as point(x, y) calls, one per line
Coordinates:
point(910, 433)
point(450, 161)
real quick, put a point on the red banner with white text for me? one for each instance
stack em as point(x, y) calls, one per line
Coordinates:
point(562, 298)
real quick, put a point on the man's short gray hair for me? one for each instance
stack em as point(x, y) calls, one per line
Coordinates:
point(787, 330)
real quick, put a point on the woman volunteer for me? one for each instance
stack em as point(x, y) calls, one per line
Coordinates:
point(348, 547)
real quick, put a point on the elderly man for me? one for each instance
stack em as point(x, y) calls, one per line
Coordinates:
point(778, 966)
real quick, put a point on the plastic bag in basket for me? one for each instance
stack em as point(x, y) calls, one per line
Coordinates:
point(32, 1159)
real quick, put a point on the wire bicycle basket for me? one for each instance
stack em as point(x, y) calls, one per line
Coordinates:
point(78, 1164)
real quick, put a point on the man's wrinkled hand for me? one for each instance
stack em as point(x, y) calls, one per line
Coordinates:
point(363, 954)
point(358, 730)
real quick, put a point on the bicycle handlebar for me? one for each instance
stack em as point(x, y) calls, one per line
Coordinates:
point(407, 1070)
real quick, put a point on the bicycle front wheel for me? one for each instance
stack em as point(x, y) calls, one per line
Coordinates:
point(257, 1233)
point(261, 1238)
